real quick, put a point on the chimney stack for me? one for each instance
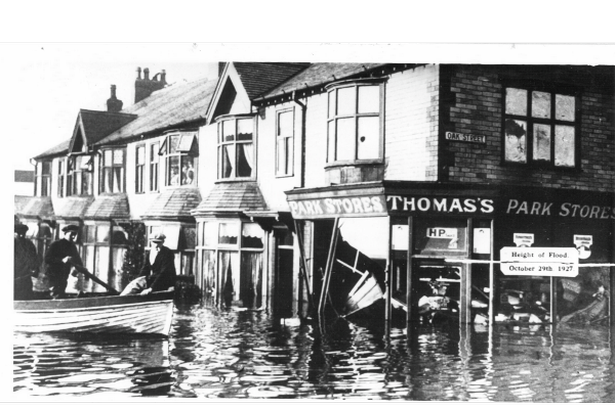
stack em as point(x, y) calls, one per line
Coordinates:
point(114, 104)
point(144, 87)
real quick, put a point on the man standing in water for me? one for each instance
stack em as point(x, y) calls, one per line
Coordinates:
point(60, 258)
point(26, 264)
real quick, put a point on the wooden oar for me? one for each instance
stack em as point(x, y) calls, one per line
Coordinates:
point(92, 277)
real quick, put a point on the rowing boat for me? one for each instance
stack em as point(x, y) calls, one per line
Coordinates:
point(105, 314)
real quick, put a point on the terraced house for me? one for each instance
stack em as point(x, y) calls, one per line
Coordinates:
point(354, 187)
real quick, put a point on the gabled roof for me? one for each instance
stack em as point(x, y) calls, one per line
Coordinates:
point(92, 126)
point(259, 78)
point(165, 108)
point(320, 74)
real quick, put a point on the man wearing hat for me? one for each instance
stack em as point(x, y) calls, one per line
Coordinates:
point(25, 264)
point(60, 258)
point(159, 266)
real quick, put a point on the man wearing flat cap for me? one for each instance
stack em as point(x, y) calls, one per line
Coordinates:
point(159, 266)
point(60, 258)
point(25, 264)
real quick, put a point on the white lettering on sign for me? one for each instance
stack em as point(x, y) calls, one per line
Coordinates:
point(461, 137)
point(440, 204)
point(364, 205)
point(540, 261)
point(567, 209)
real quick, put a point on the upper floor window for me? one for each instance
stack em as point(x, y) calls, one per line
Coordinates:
point(43, 177)
point(354, 122)
point(284, 143)
point(179, 151)
point(79, 176)
point(61, 177)
point(113, 171)
point(153, 166)
point(140, 169)
point(236, 148)
point(540, 128)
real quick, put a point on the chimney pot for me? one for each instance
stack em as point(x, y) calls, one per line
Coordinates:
point(163, 77)
point(146, 74)
point(138, 73)
point(114, 104)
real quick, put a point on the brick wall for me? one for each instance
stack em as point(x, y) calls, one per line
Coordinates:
point(477, 109)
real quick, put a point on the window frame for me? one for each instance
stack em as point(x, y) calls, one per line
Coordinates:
point(334, 117)
point(287, 168)
point(181, 155)
point(112, 167)
point(220, 144)
point(530, 87)
point(140, 169)
point(154, 167)
point(72, 170)
point(43, 180)
point(62, 176)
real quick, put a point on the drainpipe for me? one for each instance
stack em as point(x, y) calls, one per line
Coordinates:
point(303, 108)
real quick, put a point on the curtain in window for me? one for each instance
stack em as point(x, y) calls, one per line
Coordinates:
point(228, 160)
point(229, 276)
point(251, 276)
point(208, 271)
point(248, 164)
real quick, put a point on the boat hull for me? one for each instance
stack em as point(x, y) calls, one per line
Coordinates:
point(134, 314)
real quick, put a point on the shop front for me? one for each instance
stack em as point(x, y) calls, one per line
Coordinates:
point(447, 252)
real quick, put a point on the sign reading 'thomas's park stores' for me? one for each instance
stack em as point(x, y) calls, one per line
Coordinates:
point(540, 261)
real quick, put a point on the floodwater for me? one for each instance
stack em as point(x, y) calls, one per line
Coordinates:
point(214, 354)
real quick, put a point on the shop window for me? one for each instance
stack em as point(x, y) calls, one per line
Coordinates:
point(436, 237)
point(140, 169)
point(540, 127)
point(284, 143)
point(236, 148)
point(153, 166)
point(179, 151)
point(113, 171)
point(43, 178)
point(79, 176)
point(354, 122)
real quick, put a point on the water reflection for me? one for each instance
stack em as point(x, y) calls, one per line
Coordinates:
point(247, 354)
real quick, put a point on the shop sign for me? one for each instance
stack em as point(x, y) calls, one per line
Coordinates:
point(443, 233)
point(462, 137)
point(583, 243)
point(540, 261)
point(569, 209)
point(357, 206)
point(523, 239)
point(445, 205)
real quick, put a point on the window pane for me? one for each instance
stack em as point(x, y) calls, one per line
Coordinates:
point(118, 180)
point(244, 130)
point(564, 146)
point(331, 142)
point(173, 142)
point(210, 234)
point(564, 107)
point(541, 104)
point(251, 236)
point(280, 159)
point(153, 156)
point(102, 233)
point(108, 156)
point(332, 103)
point(288, 143)
point(515, 141)
point(173, 170)
point(345, 101)
point(368, 138)
point(118, 157)
point(227, 233)
point(226, 161)
point(90, 234)
point(140, 155)
point(228, 131)
point(345, 139)
point(245, 158)
point(369, 99)
point(187, 170)
point(542, 142)
point(516, 101)
point(285, 123)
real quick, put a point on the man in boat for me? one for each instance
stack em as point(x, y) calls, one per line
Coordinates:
point(60, 258)
point(25, 264)
point(158, 272)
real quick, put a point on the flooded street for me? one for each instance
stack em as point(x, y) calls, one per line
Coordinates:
point(213, 354)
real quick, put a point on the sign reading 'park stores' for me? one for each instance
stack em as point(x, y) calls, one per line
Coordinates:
point(357, 206)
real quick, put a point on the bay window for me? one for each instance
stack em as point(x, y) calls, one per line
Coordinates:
point(354, 121)
point(236, 148)
point(540, 127)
